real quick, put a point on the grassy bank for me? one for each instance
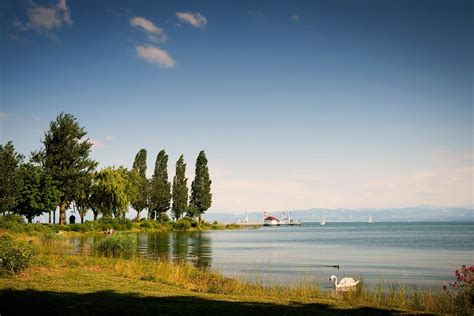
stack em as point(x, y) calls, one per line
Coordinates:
point(14, 223)
point(58, 283)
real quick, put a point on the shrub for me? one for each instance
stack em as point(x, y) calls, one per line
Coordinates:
point(13, 259)
point(182, 224)
point(122, 224)
point(6, 243)
point(146, 224)
point(232, 226)
point(13, 223)
point(162, 218)
point(92, 225)
point(49, 235)
point(117, 245)
point(78, 228)
point(461, 291)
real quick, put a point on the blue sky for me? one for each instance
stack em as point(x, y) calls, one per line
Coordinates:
point(298, 104)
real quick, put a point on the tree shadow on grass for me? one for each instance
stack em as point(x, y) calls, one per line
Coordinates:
point(31, 302)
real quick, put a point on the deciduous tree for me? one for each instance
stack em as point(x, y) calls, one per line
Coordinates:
point(38, 193)
point(109, 193)
point(65, 157)
point(10, 177)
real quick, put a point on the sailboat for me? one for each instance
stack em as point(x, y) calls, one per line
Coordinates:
point(323, 221)
point(370, 220)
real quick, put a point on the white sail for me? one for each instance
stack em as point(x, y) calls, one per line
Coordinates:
point(370, 220)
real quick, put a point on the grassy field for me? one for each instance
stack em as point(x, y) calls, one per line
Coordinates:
point(55, 283)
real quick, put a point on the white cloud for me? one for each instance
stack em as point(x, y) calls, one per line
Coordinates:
point(155, 33)
point(295, 18)
point(66, 11)
point(195, 19)
point(155, 55)
point(45, 19)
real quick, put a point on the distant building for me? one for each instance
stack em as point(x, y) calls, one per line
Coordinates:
point(271, 221)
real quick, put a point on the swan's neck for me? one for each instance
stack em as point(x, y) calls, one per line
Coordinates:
point(335, 282)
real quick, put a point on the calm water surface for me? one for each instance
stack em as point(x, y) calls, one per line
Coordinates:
point(411, 254)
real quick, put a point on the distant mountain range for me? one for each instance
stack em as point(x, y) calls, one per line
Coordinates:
point(418, 213)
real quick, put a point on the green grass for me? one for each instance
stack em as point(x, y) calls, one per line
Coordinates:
point(57, 283)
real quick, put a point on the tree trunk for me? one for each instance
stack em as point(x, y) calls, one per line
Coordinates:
point(30, 219)
point(54, 217)
point(95, 214)
point(82, 217)
point(138, 216)
point(49, 220)
point(62, 210)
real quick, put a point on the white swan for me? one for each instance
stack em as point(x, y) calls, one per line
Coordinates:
point(345, 283)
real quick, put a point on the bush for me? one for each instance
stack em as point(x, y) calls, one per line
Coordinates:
point(13, 259)
point(117, 245)
point(78, 228)
point(105, 223)
point(146, 224)
point(14, 223)
point(232, 226)
point(461, 291)
point(182, 224)
point(123, 224)
point(162, 218)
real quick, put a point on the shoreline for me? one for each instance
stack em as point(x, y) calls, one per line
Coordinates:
point(141, 281)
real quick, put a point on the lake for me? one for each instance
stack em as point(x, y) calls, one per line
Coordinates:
point(416, 254)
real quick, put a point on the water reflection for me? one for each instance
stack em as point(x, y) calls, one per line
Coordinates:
point(200, 248)
point(192, 247)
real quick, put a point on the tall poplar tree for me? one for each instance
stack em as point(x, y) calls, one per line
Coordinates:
point(201, 196)
point(65, 157)
point(160, 196)
point(141, 200)
point(180, 190)
point(10, 177)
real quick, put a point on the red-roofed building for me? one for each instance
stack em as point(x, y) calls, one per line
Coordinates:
point(271, 221)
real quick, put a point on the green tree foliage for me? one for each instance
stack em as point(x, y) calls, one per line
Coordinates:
point(10, 177)
point(66, 158)
point(38, 193)
point(138, 179)
point(201, 196)
point(94, 197)
point(180, 190)
point(160, 191)
point(109, 192)
point(83, 196)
